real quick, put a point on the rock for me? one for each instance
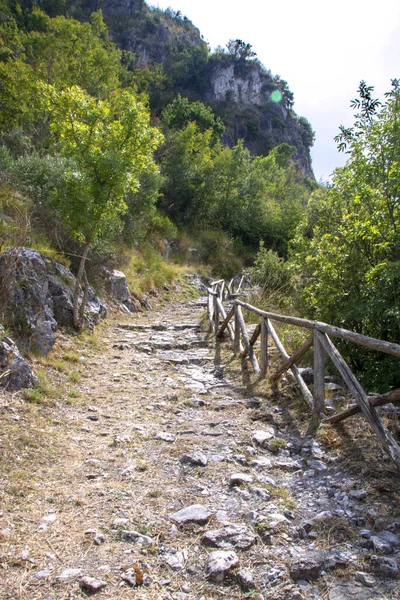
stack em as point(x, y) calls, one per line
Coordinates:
point(307, 374)
point(40, 297)
point(220, 563)
point(365, 578)
point(358, 494)
point(176, 560)
point(69, 575)
point(317, 465)
point(231, 536)
point(42, 574)
point(308, 566)
point(351, 591)
point(384, 566)
point(15, 372)
point(135, 536)
point(238, 479)
point(262, 436)
point(389, 537)
point(196, 513)
point(377, 544)
point(91, 584)
point(365, 533)
point(245, 579)
point(194, 459)
point(116, 285)
point(165, 437)
point(261, 463)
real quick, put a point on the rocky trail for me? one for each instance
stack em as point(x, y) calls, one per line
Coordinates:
point(173, 475)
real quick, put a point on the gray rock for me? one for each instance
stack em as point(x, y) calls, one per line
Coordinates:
point(384, 566)
point(262, 436)
point(231, 536)
point(42, 574)
point(261, 462)
point(379, 545)
point(40, 297)
point(317, 465)
point(69, 575)
point(176, 560)
point(351, 591)
point(365, 578)
point(135, 536)
point(165, 437)
point(116, 285)
point(91, 584)
point(307, 374)
point(308, 566)
point(238, 479)
point(194, 459)
point(389, 537)
point(358, 494)
point(220, 563)
point(196, 513)
point(15, 372)
point(245, 579)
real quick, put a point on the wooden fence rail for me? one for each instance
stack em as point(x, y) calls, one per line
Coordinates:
point(320, 340)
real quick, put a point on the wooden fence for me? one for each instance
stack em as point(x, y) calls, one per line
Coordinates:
point(232, 321)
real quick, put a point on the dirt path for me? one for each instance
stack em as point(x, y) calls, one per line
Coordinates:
point(151, 421)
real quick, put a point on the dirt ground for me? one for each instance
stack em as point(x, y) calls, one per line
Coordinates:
point(97, 452)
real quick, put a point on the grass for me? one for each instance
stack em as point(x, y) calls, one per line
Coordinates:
point(282, 495)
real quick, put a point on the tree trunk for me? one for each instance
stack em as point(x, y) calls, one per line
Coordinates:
point(76, 314)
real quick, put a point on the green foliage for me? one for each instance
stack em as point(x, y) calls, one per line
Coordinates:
point(348, 244)
point(181, 112)
point(240, 50)
point(111, 142)
point(271, 272)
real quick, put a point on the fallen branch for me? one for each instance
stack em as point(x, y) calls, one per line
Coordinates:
point(378, 400)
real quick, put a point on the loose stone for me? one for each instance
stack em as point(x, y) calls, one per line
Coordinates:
point(135, 536)
point(165, 436)
point(365, 578)
point(245, 579)
point(240, 479)
point(91, 584)
point(196, 513)
point(220, 563)
point(308, 566)
point(231, 536)
point(194, 459)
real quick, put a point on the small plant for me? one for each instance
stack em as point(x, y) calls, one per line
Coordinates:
point(33, 396)
point(277, 444)
point(71, 357)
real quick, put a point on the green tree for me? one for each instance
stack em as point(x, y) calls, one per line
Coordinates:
point(240, 50)
point(181, 112)
point(349, 243)
point(111, 143)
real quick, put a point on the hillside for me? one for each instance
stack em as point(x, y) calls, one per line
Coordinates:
point(254, 105)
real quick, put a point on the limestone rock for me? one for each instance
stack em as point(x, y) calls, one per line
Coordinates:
point(238, 479)
point(40, 297)
point(194, 459)
point(15, 372)
point(308, 566)
point(220, 563)
point(91, 584)
point(262, 436)
point(196, 513)
point(116, 285)
point(231, 536)
point(384, 566)
point(245, 579)
point(135, 536)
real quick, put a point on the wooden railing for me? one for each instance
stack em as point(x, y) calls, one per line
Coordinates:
point(232, 321)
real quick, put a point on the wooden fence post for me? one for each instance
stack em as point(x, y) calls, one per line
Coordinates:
point(319, 373)
point(264, 348)
point(216, 314)
point(236, 344)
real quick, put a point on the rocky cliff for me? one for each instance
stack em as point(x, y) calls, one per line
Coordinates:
point(254, 105)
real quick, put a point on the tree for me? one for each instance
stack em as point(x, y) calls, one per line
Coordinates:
point(240, 50)
point(181, 112)
point(348, 246)
point(111, 143)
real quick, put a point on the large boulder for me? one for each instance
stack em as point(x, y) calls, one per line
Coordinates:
point(116, 285)
point(15, 373)
point(38, 296)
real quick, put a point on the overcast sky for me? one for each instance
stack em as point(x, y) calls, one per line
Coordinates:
point(322, 49)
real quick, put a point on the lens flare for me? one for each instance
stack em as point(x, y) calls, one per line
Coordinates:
point(276, 96)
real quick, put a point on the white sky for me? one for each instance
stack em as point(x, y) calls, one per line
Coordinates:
point(322, 49)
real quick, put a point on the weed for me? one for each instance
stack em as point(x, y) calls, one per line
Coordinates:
point(154, 493)
point(281, 493)
point(75, 377)
point(276, 444)
point(73, 357)
point(34, 396)
point(142, 465)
